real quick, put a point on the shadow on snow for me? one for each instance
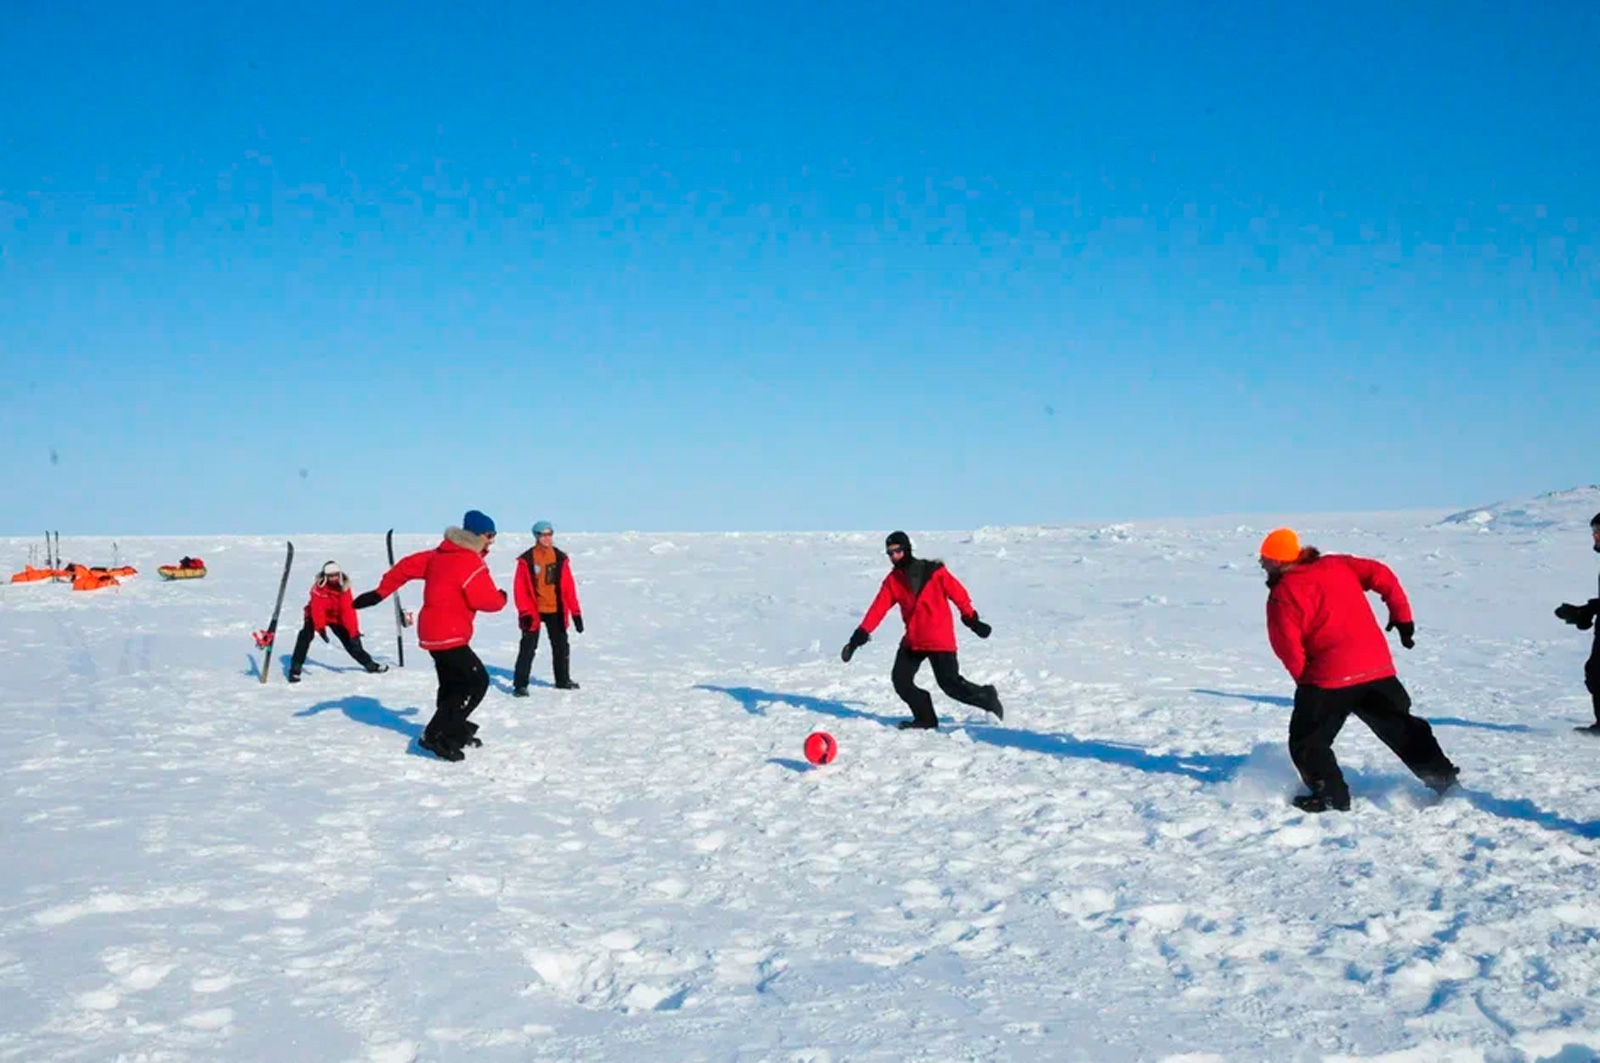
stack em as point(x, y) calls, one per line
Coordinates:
point(755, 702)
point(253, 666)
point(372, 712)
point(1520, 808)
point(1437, 721)
point(510, 677)
point(1204, 767)
point(1260, 699)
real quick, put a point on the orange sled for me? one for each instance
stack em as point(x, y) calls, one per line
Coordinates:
point(181, 572)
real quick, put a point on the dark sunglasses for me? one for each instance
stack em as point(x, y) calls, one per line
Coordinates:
point(895, 551)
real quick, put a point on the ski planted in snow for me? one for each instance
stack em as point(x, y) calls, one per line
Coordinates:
point(264, 639)
point(399, 613)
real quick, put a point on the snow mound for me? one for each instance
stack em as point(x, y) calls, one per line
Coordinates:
point(1556, 509)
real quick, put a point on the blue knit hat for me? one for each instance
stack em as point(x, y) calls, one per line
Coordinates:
point(541, 527)
point(477, 523)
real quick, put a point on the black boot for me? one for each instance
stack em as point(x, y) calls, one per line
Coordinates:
point(916, 725)
point(1319, 801)
point(377, 667)
point(441, 749)
point(994, 705)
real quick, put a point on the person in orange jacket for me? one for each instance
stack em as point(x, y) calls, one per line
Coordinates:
point(456, 587)
point(547, 594)
point(1324, 632)
point(331, 608)
point(924, 590)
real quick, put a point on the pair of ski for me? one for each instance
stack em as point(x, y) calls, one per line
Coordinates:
point(265, 639)
point(52, 555)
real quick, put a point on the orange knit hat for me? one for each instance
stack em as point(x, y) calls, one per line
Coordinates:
point(1281, 545)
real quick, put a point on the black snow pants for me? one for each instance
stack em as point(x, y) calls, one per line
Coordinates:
point(352, 646)
point(1384, 706)
point(560, 652)
point(1591, 675)
point(463, 681)
point(946, 672)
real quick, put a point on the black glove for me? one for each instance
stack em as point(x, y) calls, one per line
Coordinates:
point(526, 621)
point(577, 622)
point(1580, 616)
point(858, 639)
point(1407, 629)
point(979, 628)
point(367, 600)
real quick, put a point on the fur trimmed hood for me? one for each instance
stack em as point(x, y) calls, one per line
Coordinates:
point(342, 583)
point(465, 539)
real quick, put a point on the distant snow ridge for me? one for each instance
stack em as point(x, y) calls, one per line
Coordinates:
point(1572, 508)
point(992, 535)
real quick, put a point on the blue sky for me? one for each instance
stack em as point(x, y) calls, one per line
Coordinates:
point(291, 267)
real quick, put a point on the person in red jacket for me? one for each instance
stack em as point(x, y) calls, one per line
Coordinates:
point(546, 594)
point(456, 587)
point(924, 591)
point(331, 608)
point(1324, 632)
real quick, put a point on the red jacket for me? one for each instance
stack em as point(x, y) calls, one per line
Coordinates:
point(1321, 626)
point(566, 587)
point(333, 604)
point(929, 628)
point(457, 587)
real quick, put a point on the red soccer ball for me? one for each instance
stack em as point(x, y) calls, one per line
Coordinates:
point(820, 747)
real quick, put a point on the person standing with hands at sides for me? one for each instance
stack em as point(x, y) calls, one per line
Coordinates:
point(924, 590)
point(546, 594)
point(1324, 632)
point(456, 587)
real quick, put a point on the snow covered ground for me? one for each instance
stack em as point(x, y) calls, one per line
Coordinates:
point(200, 867)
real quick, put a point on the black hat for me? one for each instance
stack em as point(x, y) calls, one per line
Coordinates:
point(900, 539)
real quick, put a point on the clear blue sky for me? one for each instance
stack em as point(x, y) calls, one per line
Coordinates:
point(337, 267)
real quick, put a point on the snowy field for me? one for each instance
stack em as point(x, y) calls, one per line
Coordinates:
point(199, 867)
